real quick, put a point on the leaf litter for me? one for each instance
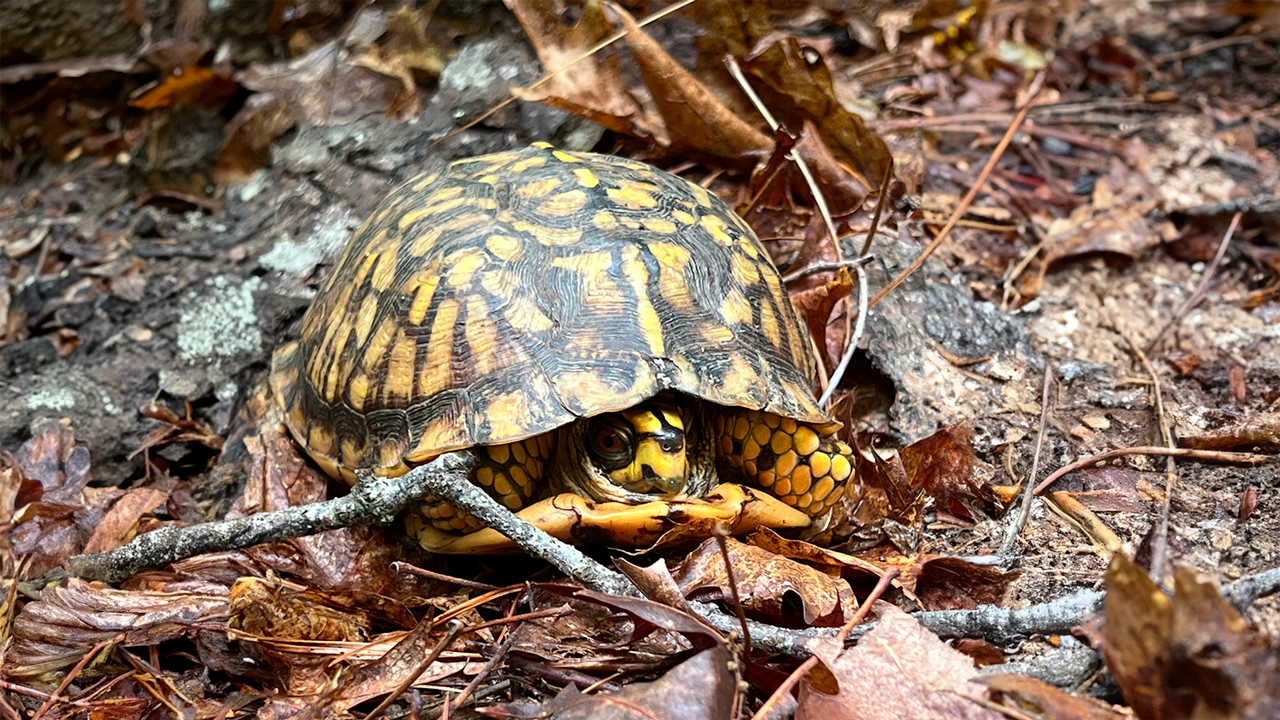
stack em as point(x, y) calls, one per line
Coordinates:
point(1118, 182)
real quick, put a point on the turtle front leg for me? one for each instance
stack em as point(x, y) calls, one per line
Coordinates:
point(512, 473)
point(790, 460)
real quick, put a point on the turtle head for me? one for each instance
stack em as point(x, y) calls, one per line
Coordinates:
point(641, 449)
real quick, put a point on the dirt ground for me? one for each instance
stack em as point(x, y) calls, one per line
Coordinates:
point(155, 256)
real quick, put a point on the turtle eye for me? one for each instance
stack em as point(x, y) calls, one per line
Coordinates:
point(611, 444)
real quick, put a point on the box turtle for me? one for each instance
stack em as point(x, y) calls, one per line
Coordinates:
point(603, 335)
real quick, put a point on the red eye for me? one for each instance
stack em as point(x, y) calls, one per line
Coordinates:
point(610, 444)
point(608, 441)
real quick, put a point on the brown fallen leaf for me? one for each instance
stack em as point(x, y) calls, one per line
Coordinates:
point(1050, 702)
point(53, 510)
point(176, 429)
point(898, 669)
point(594, 87)
point(700, 687)
point(943, 465)
point(68, 620)
point(764, 580)
point(815, 305)
point(799, 91)
point(395, 667)
point(697, 122)
point(350, 92)
point(192, 85)
point(1187, 656)
point(120, 524)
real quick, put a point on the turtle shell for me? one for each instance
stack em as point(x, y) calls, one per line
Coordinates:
point(513, 293)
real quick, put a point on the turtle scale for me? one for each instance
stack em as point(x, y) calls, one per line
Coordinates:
point(513, 293)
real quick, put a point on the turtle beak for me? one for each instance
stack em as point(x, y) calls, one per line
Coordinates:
point(662, 463)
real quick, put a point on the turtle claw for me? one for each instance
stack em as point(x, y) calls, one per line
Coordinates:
point(576, 520)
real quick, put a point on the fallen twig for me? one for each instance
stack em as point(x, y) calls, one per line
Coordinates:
point(1235, 458)
point(969, 197)
point(1024, 513)
point(1200, 290)
point(368, 503)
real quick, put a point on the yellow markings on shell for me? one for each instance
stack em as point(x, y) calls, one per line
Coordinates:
point(537, 188)
point(441, 435)
point(390, 455)
point(443, 208)
point(714, 227)
point(401, 366)
point(427, 281)
point(529, 163)
point(464, 267)
point(437, 374)
point(806, 440)
point(488, 179)
point(358, 391)
point(499, 282)
point(659, 225)
point(508, 416)
point(746, 269)
point(548, 235)
point(684, 217)
point(524, 315)
point(590, 265)
point(424, 242)
point(740, 380)
point(586, 178)
point(564, 156)
point(328, 368)
point(604, 220)
point(378, 344)
point(735, 309)
point(701, 195)
point(564, 204)
point(366, 267)
point(364, 318)
point(590, 389)
point(673, 262)
point(634, 196)
point(769, 324)
point(384, 272)
point(296, 419)
point(422, 181)
point(646, 314)
point(491, 160)
point(713, 333)
point(320, 440)
point(504, 247)
point(482, 336)
point(336, 318)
